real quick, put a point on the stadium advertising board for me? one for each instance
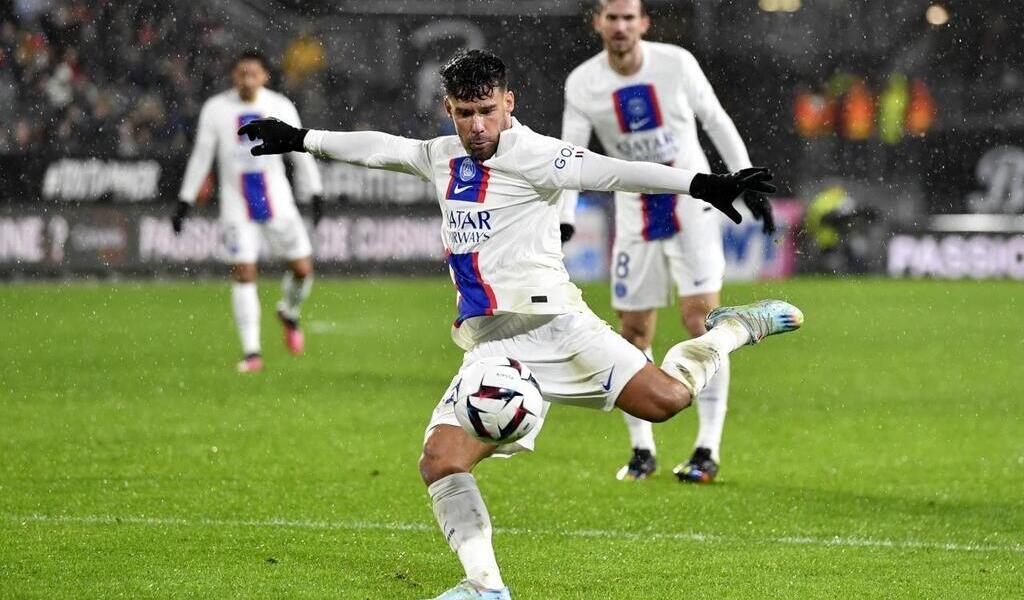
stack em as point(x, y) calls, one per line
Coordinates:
point(101, 239)
point(68, 180)
point(104, 238)
point(960, 247)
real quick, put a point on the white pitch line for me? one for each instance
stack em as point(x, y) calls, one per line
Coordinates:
point(837, 541)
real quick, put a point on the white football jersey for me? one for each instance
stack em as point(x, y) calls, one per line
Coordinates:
point(649, 116)
point(251, 187)
point(499, 222)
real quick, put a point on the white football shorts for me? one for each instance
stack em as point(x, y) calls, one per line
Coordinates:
point(286, 238)
point(643, 272)
point(576, 357)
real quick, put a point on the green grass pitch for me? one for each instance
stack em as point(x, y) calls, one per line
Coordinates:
point(879, 452)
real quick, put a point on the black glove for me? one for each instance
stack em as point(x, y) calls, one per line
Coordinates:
point(720, 190)
point(278, 137)
point(317, 202)
point(180, 213)
point(761, 208)
point(568, 230)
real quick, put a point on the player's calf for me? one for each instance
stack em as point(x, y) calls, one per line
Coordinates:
point(652, 395)
point(449, 453)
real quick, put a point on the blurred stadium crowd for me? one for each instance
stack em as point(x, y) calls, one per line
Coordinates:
point(103, 77)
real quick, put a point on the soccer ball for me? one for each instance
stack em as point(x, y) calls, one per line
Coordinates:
point(497, 400)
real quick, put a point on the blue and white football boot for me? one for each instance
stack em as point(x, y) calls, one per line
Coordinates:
point(466, 591)
point(760, 319)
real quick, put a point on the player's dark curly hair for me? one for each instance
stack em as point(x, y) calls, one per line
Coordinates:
point(473, 74)
point(252, 54)
point(599, 6)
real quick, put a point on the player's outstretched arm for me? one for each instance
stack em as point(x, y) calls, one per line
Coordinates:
point(608, 174)
point(372, 149)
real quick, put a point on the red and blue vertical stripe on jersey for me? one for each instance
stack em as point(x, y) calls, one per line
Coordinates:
point(254, 185)
point(476, 298)
point(659, 212)
point(660, 220)
point(467, 180)
point(257, 200)
point(636, 108)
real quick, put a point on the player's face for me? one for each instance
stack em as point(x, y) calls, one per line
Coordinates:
point(621, 24)
point(248, 77)
point(480, 122)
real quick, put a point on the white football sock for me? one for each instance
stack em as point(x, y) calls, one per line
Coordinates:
point(641, 433)
point(246, 304)
point(694, 362)
point(712, 405)
point(293, 293)
point(465, 523)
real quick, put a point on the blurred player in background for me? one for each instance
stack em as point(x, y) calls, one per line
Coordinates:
point(498, 185)
point(641, 99)
point(255, 199)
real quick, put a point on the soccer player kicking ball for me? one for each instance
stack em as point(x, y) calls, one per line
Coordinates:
point(255, 198)
point(643, 99)
point(499, 184)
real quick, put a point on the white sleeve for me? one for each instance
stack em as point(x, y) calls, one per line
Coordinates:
point(713, 118)
point(307, 174)
point(576, 131)
point(548, 163)
point(372, 149)
point(202, 155)
point(606, 174)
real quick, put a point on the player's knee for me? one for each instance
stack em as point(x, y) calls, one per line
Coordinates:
point(244, 273)
point(302, 269)
point(636, 335)
point(435, 466)
point(693, 320)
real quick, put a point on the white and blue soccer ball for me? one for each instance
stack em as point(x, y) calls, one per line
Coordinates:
point(498, 400)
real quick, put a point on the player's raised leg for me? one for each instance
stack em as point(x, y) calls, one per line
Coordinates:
point(658, 394)
point(637, 326)
point(449, 455)
point(712, 403)
point(295, 288)
point(245, 303)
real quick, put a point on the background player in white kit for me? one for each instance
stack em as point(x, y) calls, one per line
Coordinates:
point(498, 185)
point(255, 198)
point(641, 99)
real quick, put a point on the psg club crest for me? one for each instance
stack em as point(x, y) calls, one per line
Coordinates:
point(468, 170)
point(636, 108)
point(467, 180)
